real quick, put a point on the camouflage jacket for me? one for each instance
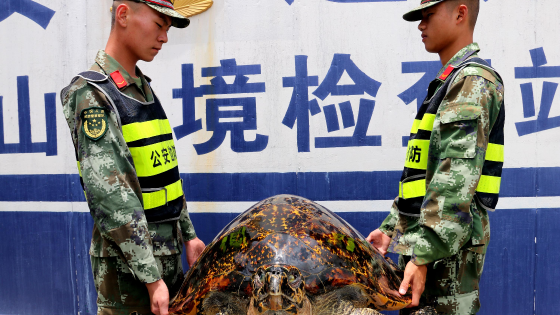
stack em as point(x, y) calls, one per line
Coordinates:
point(111, 185)
point(442, 228)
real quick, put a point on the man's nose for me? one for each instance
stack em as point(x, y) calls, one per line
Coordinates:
point(422, 25)
point(163, 37)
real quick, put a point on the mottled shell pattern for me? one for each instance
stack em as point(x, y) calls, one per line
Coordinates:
point(295, 232)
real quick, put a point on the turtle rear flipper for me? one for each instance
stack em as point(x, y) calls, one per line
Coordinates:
point(220, 303)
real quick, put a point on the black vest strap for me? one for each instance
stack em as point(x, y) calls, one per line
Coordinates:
point(93, 76)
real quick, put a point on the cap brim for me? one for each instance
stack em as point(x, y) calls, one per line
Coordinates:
point(416, 14)
point(178, 20)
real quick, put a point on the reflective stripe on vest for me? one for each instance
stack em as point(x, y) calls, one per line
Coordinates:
point(489, 184)
point(412, 189)
point(495, 152)
point(160, 197)
point(417, 155)
point(147, 129)
point(153, 159)
point(427, 123)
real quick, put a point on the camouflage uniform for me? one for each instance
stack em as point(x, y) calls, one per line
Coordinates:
point(126, 251)
point(452, 232)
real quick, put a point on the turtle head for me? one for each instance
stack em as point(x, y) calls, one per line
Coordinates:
point(278, 288)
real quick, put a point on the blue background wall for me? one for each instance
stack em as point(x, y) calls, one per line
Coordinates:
point(45, 265)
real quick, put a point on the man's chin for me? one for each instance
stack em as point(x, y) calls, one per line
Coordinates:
point(430, 49)
point(149, 57)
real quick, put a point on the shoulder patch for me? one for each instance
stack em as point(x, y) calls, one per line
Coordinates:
point(446, 73)
point(94, 122)
point(479, 71)
point(119, 80)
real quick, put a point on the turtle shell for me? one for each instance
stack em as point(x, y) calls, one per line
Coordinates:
point(291, 231)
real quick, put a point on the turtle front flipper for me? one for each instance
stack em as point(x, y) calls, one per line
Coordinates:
point(220, 303)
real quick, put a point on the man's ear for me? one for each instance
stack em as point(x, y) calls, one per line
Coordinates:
point(121, 15)
point(462, 13)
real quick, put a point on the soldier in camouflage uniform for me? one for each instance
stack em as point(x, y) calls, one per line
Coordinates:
point(136, 260)
point(439, 222)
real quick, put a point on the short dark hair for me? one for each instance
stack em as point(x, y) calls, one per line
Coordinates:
point(474, 9)
point(116, 3)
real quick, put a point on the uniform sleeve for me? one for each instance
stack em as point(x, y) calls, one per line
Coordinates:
point(187, 228)
point(457, 148)
point(111, 185)
point(388, 225)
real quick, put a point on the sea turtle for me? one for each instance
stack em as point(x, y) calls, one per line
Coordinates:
point(287, 255)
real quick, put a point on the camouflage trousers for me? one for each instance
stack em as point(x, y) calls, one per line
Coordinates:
point(119, 292)
point(451, 284)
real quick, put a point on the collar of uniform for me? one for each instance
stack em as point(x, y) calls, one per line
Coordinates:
point(145, 88)
point(110, 65)
point(462, 55)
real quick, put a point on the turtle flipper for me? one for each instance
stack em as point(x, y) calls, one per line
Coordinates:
point(220, 303)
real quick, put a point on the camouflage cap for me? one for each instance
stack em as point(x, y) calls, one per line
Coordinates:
point(416, 14)
point(166, 7)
